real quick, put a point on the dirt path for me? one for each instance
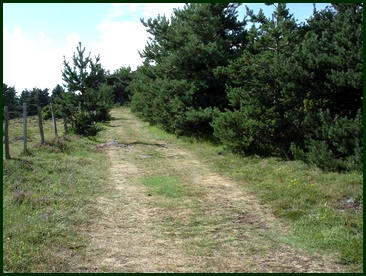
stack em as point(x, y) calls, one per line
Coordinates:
point(213, 226)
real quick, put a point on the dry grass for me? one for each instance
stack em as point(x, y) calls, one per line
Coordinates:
point(213, 226)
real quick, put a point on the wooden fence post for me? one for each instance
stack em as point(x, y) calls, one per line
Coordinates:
point(54, 120)
point(6, 132)
point(65, 122)
point(25, 127)
point(39, 111)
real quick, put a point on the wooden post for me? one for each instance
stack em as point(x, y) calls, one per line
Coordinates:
point(65, 122)
point(39, 110)
point(6, 132)
point(54, 120)
point(25, 127)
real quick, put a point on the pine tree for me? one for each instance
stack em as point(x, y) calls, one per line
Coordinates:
point(57, 93)
point(119, 82)
point(177, 88)
point(10, 98)
point(331, 54)
point(88, 99)
point(34, 98)
point(331, 57)
point(263, 101)
point(297, 89)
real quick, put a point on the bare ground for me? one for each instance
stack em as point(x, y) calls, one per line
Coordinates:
point(217, 227)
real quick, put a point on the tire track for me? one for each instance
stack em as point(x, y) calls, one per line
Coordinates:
point(135, 233)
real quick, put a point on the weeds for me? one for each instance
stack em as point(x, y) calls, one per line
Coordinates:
point(48, 195)
point(314, 202)
point(324, 209)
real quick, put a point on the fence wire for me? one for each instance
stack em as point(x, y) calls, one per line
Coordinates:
point(32, 128)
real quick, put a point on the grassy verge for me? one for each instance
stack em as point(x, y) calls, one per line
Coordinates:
point(325, 210)
point(48, 194)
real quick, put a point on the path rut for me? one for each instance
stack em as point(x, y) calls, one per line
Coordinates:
point(136, 232)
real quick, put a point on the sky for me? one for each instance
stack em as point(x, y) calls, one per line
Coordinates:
point(36, 37)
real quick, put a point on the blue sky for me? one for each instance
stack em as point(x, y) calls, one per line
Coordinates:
point(37, 36)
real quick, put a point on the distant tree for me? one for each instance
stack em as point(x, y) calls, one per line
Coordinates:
point(34, 98)
point(10, 98)
point(55, 98)
point(57, 93)
point(25, 96)
point(90, 100)
point(43, 96)
point(119, 82)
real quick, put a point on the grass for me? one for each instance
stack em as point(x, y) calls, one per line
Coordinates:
point(186, 217)
point(165, 186)
point(48, 194)
point(324, 209)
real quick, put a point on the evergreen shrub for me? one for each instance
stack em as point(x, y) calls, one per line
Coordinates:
point(335, 145)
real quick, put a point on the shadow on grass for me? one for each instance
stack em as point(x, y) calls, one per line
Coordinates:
point(123, 144)
point(147, 144)
point(119, 119)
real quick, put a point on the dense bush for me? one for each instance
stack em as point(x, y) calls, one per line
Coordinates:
point(47, 114)
point(296, 91)
point(335, 143)
point(119, 82)
point(243, 135)
point(83, 124)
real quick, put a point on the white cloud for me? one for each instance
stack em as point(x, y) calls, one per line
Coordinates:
point(27, 65)
point(144, 10)
point(19, 59)
point(119, 44)
point(36, 60)
point(115, 10)
point(72, 41)
point(153, 9)
point(45, 38)
point(123, 34)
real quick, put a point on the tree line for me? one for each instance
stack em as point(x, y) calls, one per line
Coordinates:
point(263, 86)
point(86, 98)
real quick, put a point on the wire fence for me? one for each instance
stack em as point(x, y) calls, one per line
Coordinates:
point(21, 133)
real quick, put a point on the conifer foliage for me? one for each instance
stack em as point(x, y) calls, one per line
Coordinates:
point(10, 98)
point(277, 88)
point(268, 86)
point(176, 87)
point(89, 98)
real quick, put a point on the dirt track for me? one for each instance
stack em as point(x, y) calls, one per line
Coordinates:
point(217, 227)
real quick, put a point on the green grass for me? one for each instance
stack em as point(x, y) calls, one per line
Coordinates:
point(48, 194)
point(313, 202)
point(165, 186)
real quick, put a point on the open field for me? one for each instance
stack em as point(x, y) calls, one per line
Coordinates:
point(149, 202)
